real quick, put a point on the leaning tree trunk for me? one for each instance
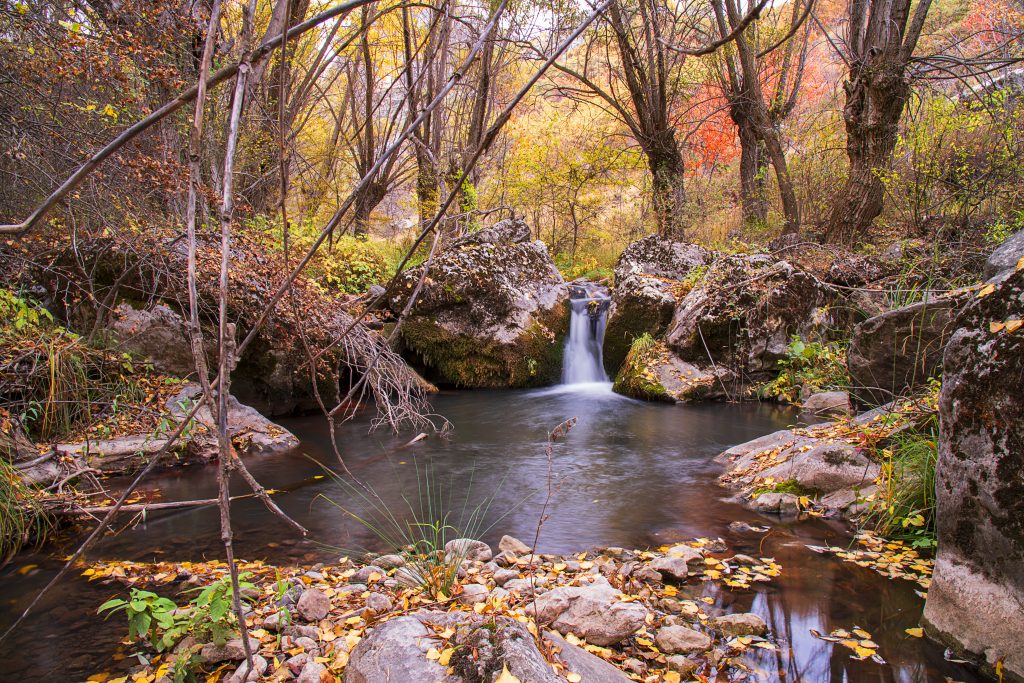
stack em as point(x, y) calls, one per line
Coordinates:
point(790, 207)
point(669, 194)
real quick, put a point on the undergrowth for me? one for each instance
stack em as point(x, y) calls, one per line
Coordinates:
point(809, 367)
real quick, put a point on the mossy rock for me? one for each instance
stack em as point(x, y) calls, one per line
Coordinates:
point(652, 372)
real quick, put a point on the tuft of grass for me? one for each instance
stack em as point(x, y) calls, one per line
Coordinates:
point(421, 524)
point(22, 520)
point(904, 506)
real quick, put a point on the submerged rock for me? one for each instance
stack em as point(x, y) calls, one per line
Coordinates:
point(492, 311)
point(745, 624)
point(974, 602)
point(484, 646)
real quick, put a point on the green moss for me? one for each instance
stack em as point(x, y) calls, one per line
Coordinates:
point(534, 360)
point(788, 486)
point(635, 377)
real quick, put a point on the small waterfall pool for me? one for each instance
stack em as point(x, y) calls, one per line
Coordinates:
point(583, 363)
point(630, 473)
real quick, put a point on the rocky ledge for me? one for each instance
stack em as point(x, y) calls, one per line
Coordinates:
point(604, 616)
point(823, 469)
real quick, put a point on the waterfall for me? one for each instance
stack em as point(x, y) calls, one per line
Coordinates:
point(583, 363)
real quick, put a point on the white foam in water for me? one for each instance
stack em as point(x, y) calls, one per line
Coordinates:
point(583, 364)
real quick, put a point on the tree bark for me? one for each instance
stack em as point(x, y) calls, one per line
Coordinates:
point(668, 184)
point(881, 43)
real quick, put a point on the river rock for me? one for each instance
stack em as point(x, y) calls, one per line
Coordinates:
point(503, 576)
point(389, 561)
point(312, 672)
point(313, 605)
point(777, 503)
point(233, 650)
point(683, 665)
point(899, 350)
point(591, 669)
point(396, 651)
point(371, 573)
point(653, 372)
point(1003, 261)
point(468, 549)
point(745, 624)
point(511, 544)
point(648, 276)
point(826, 467)
point(681, 640)
point(472, 593)
point(828, 404)
point(159, 334)
point(592, 611)
point(974, 602)
point(492, 311)
point(380, 603)
point(259, 667)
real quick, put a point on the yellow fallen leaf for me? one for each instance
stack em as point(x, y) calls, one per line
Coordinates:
point(863, 651)
point(446, 656)
point(433, 654)
point(986, 290)
point(995, 327)
point(573, 677)
point(672, 677)
point(506, 676)
point(915, 632)
point(861, 633)
point(27, 568)
point(1013, 325)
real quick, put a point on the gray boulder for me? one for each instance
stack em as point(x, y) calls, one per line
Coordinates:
point(974, 602)
point(899, 350)
point(468, 549)
point(591, 668)
point(313, 605)
point(826, 467)
point(745, 624)
point(682, 640)
point(648, 276)
point(159, 334)
point(592, 611)
point(828, 404)
point(484, 646)
point(784, 504)
point(1002, 262)
point(491, 313)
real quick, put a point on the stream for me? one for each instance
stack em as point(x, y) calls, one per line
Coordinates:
point(629, 474)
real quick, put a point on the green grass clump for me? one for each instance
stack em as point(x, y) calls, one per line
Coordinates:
point(904, 506)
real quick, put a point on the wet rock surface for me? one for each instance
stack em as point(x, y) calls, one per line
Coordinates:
point(492, 311)
point(974, 602)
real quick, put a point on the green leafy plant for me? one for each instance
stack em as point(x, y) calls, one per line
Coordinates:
point(210, 615)
point(813, 366)
point(150, 617)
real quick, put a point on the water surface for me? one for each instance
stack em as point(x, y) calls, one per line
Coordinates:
point(629, 474)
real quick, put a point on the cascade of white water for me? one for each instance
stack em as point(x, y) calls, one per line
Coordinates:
point(583, 363)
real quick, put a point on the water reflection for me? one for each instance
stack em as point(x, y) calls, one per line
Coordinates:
point(630, 473)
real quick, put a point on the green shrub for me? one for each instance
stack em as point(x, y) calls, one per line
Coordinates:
point(816, 366)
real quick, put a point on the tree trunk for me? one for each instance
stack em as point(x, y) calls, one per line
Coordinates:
point(874, 104)
point(668, 184)
point(790, 207)
point(752, 198)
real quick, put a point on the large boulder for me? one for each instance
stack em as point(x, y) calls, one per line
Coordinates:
point(484, 647)
point(593, 612)
point(974, 602)
point(158, 334)
point(745, 312)
point(649, 275)
point(900, 349)
point(492, 311)
point(652, 372)
point(1003, 261)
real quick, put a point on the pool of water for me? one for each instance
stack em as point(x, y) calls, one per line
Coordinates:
point(629, 474)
